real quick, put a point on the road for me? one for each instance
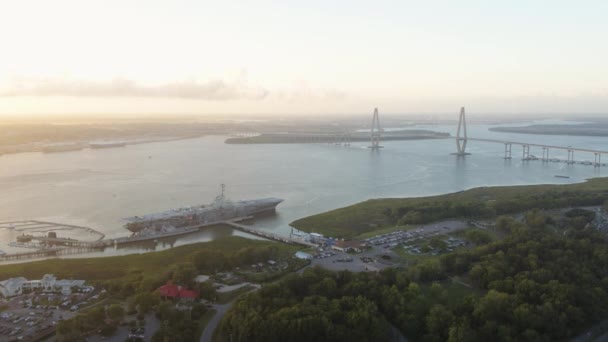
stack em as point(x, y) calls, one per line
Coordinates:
point(220, 311)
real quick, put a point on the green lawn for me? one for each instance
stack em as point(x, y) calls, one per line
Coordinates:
point(108, 268)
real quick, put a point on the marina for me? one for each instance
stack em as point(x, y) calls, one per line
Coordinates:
point(152, 227)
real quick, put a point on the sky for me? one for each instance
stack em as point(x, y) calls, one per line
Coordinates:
point(302, 57)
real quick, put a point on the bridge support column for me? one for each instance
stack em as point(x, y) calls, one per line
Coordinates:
point(598, 160)
point(526, 152)
point(461, 135)
point(570, 157)
point(376, 131)
point(507, 151)
point(545, 154)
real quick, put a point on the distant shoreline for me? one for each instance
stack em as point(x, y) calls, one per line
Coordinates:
point(593, 130)
point(309, 138)
point(72, 146)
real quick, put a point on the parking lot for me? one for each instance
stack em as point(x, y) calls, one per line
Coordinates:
point(28, 317)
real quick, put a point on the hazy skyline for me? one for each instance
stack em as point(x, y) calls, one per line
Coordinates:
point(211, 57)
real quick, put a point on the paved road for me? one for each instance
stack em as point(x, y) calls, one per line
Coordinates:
point(220, 311)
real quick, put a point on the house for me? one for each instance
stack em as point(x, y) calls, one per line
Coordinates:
point(349, 246)
point(173, 291)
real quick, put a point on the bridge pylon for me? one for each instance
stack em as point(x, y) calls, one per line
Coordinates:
point(376, 131)
point(461, 135)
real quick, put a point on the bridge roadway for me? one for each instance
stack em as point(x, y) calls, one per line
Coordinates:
point(535, 145)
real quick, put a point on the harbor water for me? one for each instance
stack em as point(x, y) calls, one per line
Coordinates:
point(98, 187)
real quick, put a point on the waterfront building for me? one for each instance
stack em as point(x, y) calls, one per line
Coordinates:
point(49, 283)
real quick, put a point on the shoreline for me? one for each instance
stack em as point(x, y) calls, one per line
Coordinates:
point(372, 214)
point(83, 145)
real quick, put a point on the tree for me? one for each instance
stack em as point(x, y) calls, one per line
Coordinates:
point(116, 312)
point(438, 323)
point(146, 301)
point(207, 290)
point(184, 274)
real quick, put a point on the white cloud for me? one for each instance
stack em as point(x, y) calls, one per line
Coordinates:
point(210, 90)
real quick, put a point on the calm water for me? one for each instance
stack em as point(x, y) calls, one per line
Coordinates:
point(97, 188)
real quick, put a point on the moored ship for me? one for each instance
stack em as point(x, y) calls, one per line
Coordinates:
point(218, 211)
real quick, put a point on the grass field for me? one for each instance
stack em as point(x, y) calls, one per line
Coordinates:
point(109, 268)
point(370, 216)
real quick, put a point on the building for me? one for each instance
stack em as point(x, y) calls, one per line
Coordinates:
point(303, 256)
point(317, 238)
point(12, 287)
point(173, 291)
point(349, 246)
point(48, 283)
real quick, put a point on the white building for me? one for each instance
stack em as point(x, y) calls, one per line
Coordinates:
point(303, 255)
point(48, 283)
point(12, 287)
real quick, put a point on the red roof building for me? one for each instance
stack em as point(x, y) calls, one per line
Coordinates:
point(173, 291)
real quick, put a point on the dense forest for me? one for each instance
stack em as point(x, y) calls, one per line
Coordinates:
point(545, 281)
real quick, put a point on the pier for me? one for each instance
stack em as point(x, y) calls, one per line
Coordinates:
point(49, 252)
point(270, 236)
point(44, 226)
point(50, 247)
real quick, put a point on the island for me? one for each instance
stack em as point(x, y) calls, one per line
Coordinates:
point(595, 129)
point(333, 137)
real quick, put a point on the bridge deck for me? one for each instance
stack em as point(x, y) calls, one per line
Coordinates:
point(536, 145)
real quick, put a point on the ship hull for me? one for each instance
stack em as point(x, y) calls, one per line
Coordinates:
point(201, 215)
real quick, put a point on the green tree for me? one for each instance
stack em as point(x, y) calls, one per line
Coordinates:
point(116, 312)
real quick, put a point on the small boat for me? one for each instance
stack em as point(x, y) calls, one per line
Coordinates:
point(561, 176)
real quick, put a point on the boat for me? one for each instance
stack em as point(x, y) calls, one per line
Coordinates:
point(561, 176)
point(107, 144)
point(220, 210)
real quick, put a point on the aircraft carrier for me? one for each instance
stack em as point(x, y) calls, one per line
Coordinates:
point(220, 210)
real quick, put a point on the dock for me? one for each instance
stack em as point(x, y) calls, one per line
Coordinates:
point(42, 226)
point(266, 235)
point(56, 246)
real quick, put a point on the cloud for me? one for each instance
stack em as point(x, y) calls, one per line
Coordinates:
point(218, 90)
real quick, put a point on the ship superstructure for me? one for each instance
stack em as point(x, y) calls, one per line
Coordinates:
point(221, 209)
